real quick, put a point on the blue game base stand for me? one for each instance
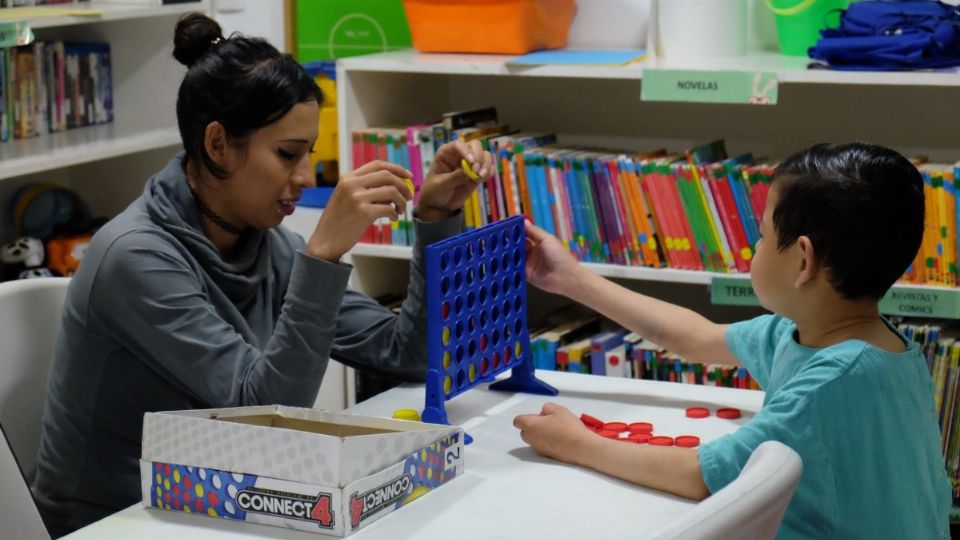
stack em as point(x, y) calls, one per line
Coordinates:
point(523, 379)
point(477, 316)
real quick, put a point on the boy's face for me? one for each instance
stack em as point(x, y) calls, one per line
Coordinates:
point(773, 272)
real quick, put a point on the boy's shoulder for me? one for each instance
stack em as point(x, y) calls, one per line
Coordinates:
point(768, 328)
point(855, 364)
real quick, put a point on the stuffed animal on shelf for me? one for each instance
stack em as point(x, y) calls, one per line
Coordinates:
point(23, 256)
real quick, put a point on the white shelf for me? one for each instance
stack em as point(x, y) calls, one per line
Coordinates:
point(640, 273)
point(81, 145)
point(790, 69)
point(111, 12)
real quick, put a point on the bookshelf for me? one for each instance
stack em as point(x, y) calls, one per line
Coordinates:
point(601, 106)
point(107, 164)
point(906, 111)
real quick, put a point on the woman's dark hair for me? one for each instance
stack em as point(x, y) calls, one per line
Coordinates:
point(242, 82)
point(862, 207)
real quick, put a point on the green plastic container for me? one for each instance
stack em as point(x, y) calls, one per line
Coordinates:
point(799, 22)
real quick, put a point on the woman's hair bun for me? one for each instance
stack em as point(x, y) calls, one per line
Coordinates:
point(194, 36)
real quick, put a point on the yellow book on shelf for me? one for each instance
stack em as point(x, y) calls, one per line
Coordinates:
point(30, 12)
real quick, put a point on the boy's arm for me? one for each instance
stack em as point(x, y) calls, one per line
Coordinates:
point(556, 433)
point(677, 329)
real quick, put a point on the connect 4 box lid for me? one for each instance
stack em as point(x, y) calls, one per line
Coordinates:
point(307, 469)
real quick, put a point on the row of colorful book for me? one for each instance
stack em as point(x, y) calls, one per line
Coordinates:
point(941, 348)
point(574, 342)
point(697, 209)
point(53, 86)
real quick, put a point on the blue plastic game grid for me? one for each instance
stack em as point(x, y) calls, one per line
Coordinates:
point(477, 315)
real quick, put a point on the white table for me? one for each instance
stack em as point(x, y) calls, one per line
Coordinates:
point(507, 491)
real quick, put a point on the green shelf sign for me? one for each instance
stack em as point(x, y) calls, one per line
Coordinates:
point(732, 292)
point(935, 302)
point(921, 302)
point(739, 87)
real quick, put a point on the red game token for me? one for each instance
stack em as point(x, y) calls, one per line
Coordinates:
point(661, 441)
point(640, 427)
point(687, 441)
point(608, 434)
point(615, 426)
point(698, 412)
point(591, 422)
point(729, 413)
point(639, 438)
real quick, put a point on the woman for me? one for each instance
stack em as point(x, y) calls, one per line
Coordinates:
point(194, 297)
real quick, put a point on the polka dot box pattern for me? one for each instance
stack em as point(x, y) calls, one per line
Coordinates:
point(195, 462)
point(477, 315)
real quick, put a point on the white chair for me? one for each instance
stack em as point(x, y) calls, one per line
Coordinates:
point(18, 513)
point(751, 507)
point(30, 313)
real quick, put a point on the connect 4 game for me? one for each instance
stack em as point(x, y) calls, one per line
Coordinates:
point(477, 316)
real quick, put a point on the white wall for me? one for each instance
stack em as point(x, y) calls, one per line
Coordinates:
point(625, 24)
point(258, 18)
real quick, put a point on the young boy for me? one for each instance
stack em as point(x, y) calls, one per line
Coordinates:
point(843, 388)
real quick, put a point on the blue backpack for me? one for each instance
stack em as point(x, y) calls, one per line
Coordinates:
point(890, 35)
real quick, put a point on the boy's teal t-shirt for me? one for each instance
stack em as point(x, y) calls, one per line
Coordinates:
point(863, 421)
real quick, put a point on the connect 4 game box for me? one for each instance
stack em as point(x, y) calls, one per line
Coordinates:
point(305, 469)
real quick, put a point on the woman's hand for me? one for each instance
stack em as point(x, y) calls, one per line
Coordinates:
point(555, 433)
point(377, 189)
point(550, 266)
point(447, 186)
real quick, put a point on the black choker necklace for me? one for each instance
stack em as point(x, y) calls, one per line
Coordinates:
point(217, 220)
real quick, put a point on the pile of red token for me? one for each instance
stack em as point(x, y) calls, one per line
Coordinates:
point(642, 432)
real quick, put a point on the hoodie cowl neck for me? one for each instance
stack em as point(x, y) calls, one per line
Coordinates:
point(172, 207)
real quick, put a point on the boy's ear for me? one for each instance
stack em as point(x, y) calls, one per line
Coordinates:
point(809, 261)
point(215, 143)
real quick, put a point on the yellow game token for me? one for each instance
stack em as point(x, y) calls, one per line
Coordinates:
point(407, 414)
point(469, 170)
point(410, 186)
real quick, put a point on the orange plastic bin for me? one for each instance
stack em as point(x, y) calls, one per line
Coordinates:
point(488, 26)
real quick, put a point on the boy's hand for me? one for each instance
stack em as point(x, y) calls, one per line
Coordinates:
point(555, 433)
point(447, 186)
point(550, 266)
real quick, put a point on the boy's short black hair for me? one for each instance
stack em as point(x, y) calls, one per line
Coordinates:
point(862, 207)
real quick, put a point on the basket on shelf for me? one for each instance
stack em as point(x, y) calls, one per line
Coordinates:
point(488, 26)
